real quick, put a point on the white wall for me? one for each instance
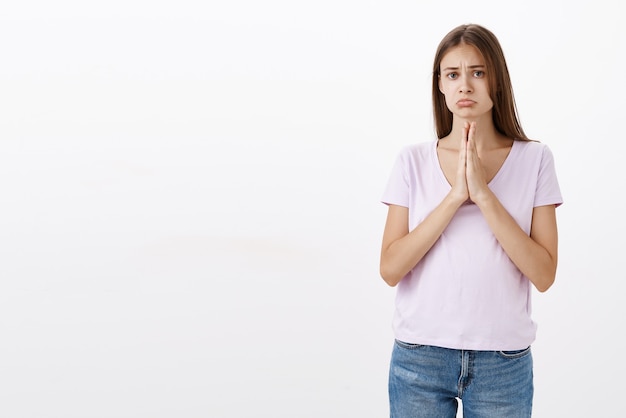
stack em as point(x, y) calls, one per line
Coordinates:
point(190, 200)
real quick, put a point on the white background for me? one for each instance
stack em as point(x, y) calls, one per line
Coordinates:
point(189, 198)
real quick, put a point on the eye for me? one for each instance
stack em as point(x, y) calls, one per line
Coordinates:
point(479, 74)
point(452, 76)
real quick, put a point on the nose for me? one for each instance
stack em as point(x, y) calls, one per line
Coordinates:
point(465, 85)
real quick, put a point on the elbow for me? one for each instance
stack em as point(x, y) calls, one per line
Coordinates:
point(389, 276)
point(545, 282)
point(544, 286)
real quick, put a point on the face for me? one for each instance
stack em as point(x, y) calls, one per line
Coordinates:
point(463, 81)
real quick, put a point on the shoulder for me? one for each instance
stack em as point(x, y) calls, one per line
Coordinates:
point(416, 157)
point(535, 156)
point(417, 151)
point(533, 145)
point(533, 148)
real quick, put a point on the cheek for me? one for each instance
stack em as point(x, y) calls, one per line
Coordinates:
point(448, 99)
point(489, 101)
point(445, 90)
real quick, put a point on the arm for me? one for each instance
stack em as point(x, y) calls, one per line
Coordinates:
point(535, 255)
point(403, 249)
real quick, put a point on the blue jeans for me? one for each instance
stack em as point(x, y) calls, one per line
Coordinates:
point(425, 381)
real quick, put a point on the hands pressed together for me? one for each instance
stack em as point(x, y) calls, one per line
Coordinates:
point(471, 182)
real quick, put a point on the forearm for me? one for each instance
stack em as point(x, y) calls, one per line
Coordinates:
point(531, 258)
point(400, 256)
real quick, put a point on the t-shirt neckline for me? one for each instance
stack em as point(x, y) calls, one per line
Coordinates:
point(498, 174)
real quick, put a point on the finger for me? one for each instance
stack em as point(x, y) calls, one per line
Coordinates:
point(471, 142)
point(463, 144)
point(471, 132)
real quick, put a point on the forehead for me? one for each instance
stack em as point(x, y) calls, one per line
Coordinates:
point(462, 54)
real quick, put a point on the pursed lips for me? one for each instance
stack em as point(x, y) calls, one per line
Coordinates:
point(465, 102)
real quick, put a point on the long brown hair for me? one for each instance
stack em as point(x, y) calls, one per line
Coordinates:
point(504, 112)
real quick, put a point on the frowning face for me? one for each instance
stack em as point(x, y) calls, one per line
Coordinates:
point(464, 82)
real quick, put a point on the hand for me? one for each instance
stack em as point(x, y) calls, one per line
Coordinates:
point(474, 171)
point(459, 189)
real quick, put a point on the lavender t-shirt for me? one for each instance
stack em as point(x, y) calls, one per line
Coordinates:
point(466, 293)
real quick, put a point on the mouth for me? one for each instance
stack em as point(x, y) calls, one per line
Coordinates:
point(465, 103)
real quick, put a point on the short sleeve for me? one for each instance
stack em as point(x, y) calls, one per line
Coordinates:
point(397, 190)
point(548, 191)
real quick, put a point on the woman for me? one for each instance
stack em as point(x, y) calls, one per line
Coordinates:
point(471, 226)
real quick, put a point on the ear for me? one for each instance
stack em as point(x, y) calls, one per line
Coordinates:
point(439, 83)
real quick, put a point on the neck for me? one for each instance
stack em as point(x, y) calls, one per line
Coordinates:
point(486, 134)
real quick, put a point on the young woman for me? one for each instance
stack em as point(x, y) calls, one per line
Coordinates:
point(471, 227)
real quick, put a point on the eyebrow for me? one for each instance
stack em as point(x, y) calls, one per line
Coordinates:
point(469, 66)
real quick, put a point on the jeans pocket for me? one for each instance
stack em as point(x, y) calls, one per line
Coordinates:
point(408, 346)
point(514, 353)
